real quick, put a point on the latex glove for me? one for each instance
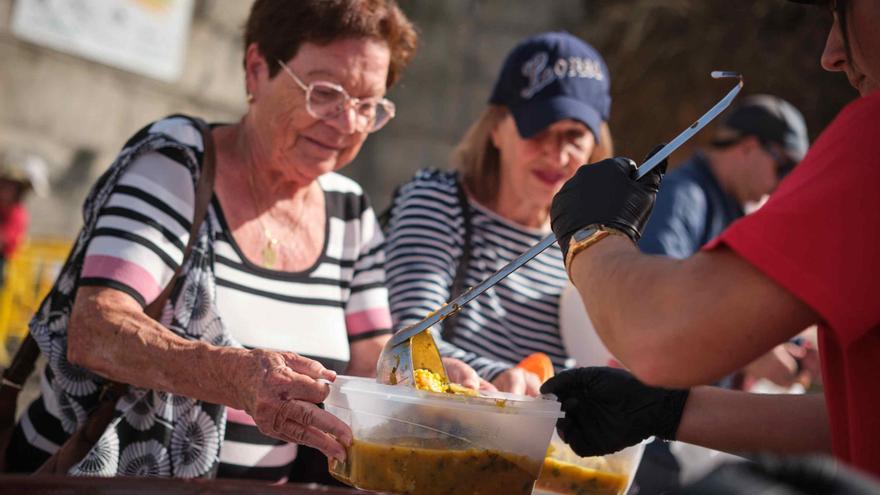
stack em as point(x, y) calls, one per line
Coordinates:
point(607, 409)
point(280, 392)
point(518, 381)
point(461, 373)
point(607, 193)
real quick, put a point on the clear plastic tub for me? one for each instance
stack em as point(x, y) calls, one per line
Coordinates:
point(567, 473)
point(426, 443)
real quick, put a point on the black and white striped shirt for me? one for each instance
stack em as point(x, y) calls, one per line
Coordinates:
point(317, 312)
point(517, 317)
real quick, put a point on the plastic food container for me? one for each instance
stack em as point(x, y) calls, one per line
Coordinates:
point(567, 473)
point(427, 443)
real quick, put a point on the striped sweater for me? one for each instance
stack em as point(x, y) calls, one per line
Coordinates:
point(424, 244)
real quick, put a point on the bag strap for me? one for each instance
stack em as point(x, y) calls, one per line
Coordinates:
point(26, 357)
point(203, 193)
point(457, 288)
point(22, 365)
point(385, 216)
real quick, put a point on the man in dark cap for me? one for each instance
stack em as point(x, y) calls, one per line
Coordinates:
point(759, 141)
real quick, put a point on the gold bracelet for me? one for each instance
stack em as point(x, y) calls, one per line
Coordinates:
point(584, 238)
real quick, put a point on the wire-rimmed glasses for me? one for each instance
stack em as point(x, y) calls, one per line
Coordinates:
point(326, 101)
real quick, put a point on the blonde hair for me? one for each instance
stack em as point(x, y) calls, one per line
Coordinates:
point(479, 163)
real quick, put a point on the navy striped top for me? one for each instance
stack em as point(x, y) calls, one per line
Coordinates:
point(425, 238)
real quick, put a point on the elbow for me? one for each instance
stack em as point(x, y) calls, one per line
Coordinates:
point(657, 366)
point(659, 373)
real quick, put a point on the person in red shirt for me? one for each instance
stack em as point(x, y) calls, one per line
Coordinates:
point(809, 256)
point(19, 174)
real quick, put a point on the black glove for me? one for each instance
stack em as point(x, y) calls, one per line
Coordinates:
point(605, 192)
point(607, 409)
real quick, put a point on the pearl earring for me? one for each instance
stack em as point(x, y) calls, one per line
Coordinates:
point(250, 98)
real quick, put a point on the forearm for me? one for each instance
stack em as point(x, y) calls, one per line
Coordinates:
point(740, 422)
point(110, 335)
point(636, 305)
point(679, 323)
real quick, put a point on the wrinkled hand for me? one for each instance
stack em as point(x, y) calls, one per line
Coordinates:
point(282, 398)
point(461, 373)
point(607, 409)
point(518, 381)
point(606, 193)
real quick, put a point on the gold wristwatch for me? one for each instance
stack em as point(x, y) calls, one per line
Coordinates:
point(586, 237)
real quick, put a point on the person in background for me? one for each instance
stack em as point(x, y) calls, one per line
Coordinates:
point(284, 285)
point(759, 141)
point(19, 174)
point(808, 256)
point(547, 116)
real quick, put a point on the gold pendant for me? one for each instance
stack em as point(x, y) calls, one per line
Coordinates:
point(268, 254)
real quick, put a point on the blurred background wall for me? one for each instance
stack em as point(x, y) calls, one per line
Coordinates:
point(76, 113)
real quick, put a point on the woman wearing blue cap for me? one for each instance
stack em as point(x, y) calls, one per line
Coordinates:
point(448, 230)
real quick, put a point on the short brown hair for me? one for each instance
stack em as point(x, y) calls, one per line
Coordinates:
point(280, 27)
point(479, 163)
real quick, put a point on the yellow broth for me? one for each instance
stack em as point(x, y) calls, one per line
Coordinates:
point(397, 468)
point(566, 478)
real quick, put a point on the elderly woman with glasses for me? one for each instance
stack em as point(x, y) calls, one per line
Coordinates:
point(284, 286)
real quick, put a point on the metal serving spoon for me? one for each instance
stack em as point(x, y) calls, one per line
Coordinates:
point(414, 348)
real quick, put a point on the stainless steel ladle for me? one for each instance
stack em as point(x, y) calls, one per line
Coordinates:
point(414, 348)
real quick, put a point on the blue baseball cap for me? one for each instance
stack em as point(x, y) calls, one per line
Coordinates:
point(550, 77)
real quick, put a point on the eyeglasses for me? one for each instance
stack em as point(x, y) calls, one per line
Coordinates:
point(326, 101)
point(784, 165)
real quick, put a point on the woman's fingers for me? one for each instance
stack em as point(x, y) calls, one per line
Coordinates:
point(471, 382)
point(305, 423)
point(283, 383)
point(486, 386)
point(285, 404)
point(311, 436)
point(511, 381)
point(308, 414)
point(308, 367)
point(532, 384)
point(460, 372)
point(470, 379)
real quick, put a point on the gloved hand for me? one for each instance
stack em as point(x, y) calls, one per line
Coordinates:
point(607, 409)
point(605, 192)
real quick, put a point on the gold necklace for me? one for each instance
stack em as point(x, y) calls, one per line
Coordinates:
point(269, 254)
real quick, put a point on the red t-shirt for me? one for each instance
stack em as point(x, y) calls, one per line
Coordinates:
point(13, 226)
point(819, 237)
